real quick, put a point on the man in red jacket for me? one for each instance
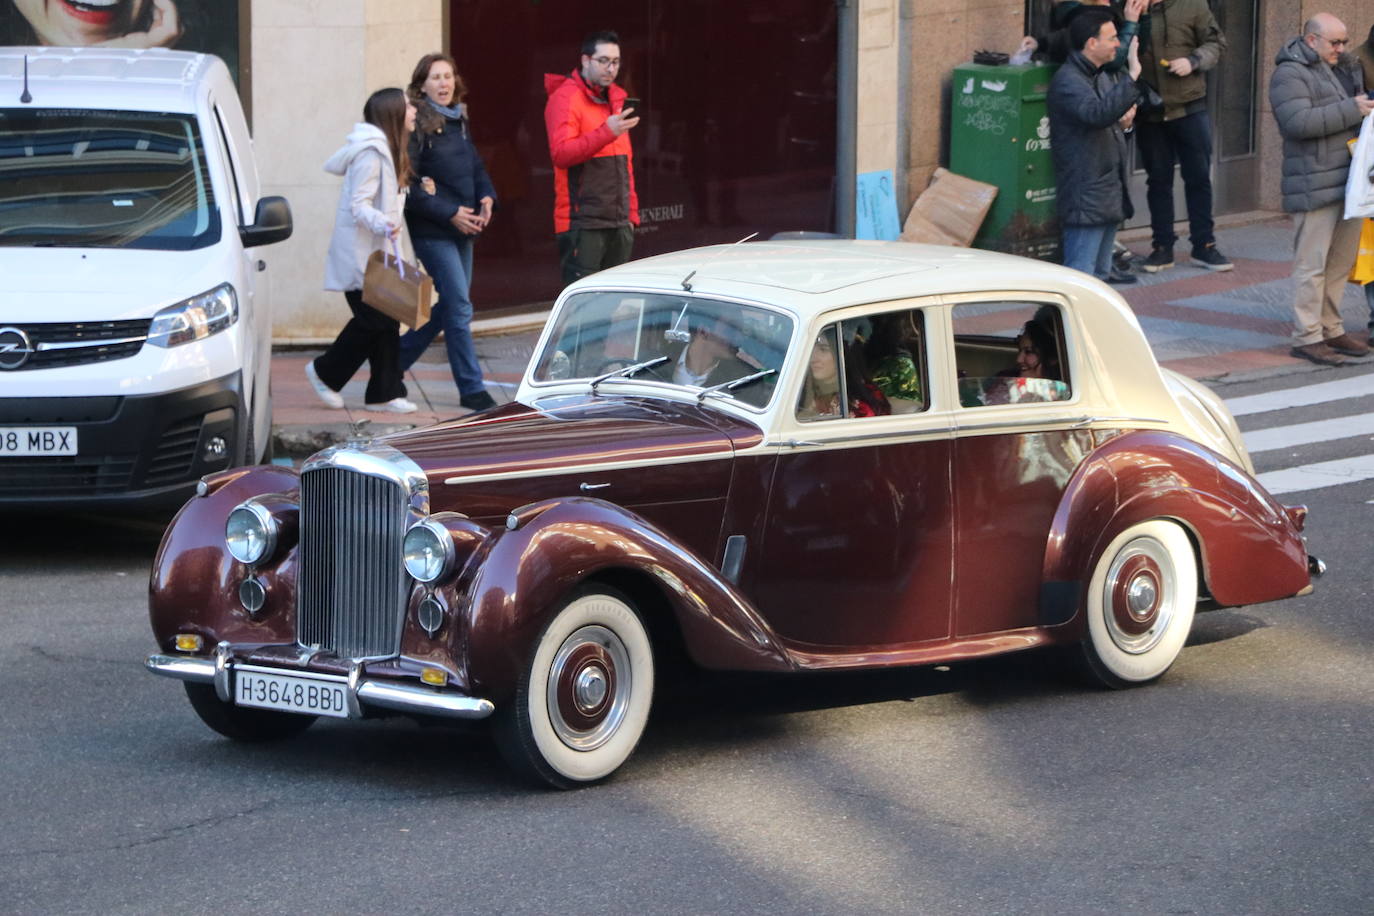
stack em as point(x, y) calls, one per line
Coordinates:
point(595, 207)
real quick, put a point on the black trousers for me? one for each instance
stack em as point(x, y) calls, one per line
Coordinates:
point(1187, 141)
point(371, 336)
point(585, 251)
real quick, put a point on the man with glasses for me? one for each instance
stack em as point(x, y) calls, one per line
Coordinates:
point(595, 206)
point(1318, 99)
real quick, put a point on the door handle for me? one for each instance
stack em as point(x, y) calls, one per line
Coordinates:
point(589, 487)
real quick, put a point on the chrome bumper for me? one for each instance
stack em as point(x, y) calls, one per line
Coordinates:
point(218, 671)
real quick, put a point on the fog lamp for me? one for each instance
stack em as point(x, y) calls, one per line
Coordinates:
point(189, 642)
point(434, 677)
point(250, 533)
point(215, 448)
point(252, 595)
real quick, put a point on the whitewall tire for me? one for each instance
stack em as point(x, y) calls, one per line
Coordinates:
point(1141, 602)
point(583, 700)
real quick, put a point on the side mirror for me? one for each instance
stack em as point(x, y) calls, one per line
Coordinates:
point(271, 223)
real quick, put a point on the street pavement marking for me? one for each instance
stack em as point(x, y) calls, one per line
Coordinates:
point(1298, 434)
point(1317, 476)
point(1302, 397)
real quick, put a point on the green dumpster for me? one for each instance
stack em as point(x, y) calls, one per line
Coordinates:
point(1000, 134)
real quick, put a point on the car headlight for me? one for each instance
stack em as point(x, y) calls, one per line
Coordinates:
point(195, 318)
point(250, 533)
point(428, 551)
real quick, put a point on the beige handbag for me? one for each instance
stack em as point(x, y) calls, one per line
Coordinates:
point(396, 288)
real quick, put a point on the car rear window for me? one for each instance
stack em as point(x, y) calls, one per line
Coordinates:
point(104, 179)
point(1010, 353)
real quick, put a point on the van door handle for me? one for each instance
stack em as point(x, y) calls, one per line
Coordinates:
point(262, 265)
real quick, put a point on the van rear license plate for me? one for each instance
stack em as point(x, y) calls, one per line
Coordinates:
point(37, 440)
point(290, 694)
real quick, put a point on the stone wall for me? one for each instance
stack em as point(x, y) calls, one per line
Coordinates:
point(314, 64)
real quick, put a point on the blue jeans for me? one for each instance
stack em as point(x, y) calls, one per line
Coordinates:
point(449, 262)
point(1187, 141)
point(1088, 248)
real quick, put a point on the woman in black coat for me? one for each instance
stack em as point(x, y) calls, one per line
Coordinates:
point(449, 205)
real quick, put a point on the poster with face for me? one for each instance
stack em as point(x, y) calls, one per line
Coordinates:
point(211, 26)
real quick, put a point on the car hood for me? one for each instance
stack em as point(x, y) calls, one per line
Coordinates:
point(108, 284)
point(632, 451)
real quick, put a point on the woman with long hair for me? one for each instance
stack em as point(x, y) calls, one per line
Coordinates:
point(444, 222)
point(375, 165)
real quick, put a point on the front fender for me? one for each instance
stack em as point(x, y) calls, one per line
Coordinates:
point(560, 543)
point(1248, 547)
point(194, 583)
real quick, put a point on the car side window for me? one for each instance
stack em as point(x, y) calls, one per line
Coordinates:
point(870, 366)
point(1010, 353)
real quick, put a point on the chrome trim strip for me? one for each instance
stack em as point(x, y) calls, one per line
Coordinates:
point(360, 692)
point(1051, 423)
point(89, 344)
point(589, 468)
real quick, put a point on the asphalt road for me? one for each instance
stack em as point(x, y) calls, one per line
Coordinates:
point(1241, 783)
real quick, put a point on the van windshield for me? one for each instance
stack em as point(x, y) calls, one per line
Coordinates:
point(104, 179)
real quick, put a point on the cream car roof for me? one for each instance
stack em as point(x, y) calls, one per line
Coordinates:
point(812, 278)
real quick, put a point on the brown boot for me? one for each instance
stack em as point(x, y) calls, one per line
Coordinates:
point(1348, 345)
point(1319, 353)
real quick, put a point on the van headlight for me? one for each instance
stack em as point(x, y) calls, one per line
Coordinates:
point(195, 318)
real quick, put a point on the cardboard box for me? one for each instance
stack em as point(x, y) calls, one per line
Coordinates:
point(949, 211)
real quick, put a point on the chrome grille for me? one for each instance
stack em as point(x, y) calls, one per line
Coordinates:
point(352, 590)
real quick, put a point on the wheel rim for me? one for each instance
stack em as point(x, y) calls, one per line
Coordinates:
point(1140, 595)
point(589, 687)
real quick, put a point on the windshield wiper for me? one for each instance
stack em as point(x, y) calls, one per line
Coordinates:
point(725, 387)
point(627, 371)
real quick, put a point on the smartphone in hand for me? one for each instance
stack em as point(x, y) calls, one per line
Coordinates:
point(636, 104)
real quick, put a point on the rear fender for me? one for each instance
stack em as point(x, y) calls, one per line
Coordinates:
point(558, 544)
point(1249, 548)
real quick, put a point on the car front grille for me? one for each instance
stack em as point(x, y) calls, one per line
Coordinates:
point(352, 590)
point(77, 343)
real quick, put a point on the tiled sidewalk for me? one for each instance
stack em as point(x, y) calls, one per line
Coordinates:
point(1204, 324)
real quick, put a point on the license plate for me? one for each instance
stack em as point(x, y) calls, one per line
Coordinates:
point(289, 693)
point(37, 440)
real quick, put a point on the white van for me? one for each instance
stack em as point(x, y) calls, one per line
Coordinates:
point(135, 320)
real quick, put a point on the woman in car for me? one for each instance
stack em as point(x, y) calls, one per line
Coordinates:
point(443, 224)
point(820, 398)
point(375, 167)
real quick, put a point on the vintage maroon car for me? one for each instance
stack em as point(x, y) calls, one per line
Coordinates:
point(773, 457)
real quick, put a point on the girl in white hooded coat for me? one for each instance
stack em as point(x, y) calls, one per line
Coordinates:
point(368, 219)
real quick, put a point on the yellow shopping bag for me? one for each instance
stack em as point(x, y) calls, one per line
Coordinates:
point(1363, 271)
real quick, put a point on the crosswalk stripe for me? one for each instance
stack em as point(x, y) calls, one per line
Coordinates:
point(1298, 434)
point(1316, 476)
point(1302, 397)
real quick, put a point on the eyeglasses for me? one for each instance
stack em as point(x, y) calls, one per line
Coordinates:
point(1336, 42)
point(607, 61)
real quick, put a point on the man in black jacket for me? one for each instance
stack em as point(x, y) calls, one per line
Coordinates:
point(1090, 111)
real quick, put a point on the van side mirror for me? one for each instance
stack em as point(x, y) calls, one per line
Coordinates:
point(271, 223)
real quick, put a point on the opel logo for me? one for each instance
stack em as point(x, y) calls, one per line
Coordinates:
point(15, 348)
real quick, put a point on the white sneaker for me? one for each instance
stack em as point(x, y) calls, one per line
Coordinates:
point(330, 397)
point(395, 405)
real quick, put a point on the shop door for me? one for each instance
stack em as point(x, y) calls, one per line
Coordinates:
point(1232, 96)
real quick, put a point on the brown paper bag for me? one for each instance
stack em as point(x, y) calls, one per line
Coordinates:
point(397, 289)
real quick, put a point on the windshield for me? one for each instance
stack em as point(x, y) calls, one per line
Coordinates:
point(104, 179)
point(680, 340)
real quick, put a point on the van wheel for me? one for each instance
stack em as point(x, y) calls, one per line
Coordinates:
point(583, 699)
point(1140, 604)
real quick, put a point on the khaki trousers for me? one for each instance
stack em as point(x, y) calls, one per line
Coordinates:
point(1323, 253)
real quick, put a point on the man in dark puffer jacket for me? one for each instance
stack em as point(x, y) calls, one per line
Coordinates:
point(1318, 100)
point(1087, 107)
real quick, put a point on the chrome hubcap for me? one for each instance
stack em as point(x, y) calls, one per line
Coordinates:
point(588, 688)
point(1140, 597)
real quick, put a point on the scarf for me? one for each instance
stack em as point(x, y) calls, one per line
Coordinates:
point(457, 112)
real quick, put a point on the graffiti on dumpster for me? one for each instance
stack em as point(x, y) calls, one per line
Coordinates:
point(987, 113)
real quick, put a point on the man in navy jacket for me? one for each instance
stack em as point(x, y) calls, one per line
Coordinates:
point(1090, 110)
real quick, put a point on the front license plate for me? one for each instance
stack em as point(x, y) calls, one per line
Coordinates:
point(290, 694)
point(37, 440)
